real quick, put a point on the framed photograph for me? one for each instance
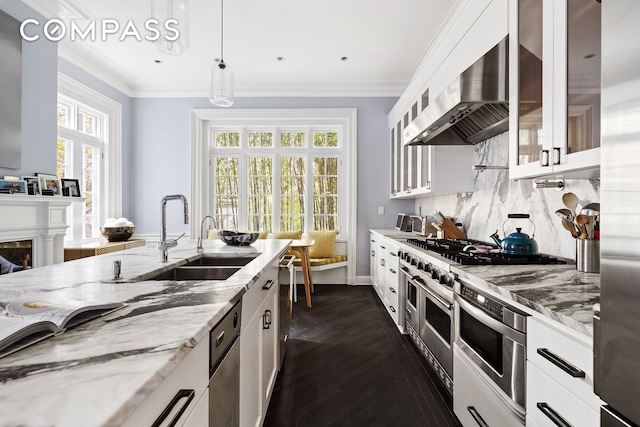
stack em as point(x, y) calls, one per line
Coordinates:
point(13, 186)
point(49, 183)
point(33, 185)
point(11, 178)
point(70, 187)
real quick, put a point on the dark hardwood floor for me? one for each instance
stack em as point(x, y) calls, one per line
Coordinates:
point(347, 365)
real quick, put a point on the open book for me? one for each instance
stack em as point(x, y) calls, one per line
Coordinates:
point(26, 322)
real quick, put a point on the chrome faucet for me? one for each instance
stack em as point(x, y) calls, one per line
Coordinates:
point(200, 248)
point(164, 244)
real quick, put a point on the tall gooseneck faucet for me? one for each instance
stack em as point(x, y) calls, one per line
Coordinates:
point(200, 248)
point(164, 244)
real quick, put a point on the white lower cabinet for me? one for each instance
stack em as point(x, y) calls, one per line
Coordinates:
point(258, 348)
point(385, 276)
point(476, 403)
point(560, 375)
point(550, 404)
point(183, 389)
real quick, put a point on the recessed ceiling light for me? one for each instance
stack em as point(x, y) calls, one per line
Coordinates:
point(344, 58)
point(281, 58)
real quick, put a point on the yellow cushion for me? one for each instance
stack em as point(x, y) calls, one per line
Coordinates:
point(293, 235)
point(325, 243)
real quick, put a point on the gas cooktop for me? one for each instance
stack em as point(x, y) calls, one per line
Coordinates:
point(463, 252)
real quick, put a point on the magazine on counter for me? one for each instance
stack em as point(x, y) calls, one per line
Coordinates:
point(26, 322)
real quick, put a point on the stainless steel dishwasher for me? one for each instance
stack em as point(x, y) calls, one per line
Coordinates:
point(224, 370)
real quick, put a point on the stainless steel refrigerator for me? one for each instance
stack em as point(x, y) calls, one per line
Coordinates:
point(617, 334)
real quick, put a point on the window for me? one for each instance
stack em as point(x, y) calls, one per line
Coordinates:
point(88, 149)
point(276, 170)
point(262, 180)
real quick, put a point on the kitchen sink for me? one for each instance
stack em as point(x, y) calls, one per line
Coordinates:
point(205, 268)
point(220, 261)
point(197, 273)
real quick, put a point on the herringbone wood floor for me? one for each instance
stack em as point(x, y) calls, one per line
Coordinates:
point(347, 365)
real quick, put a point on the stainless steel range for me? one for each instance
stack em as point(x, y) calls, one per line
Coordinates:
point(429, 297)
point(429, 311)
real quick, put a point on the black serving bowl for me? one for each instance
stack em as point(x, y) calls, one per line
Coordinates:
point(117, 234)
point(234, 238)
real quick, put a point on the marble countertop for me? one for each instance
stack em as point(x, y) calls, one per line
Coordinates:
point(98, 373)
point(559, 292)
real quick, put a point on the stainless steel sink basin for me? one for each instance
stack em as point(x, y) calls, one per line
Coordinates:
point(205, 268)
point(187, 272)
point(220, 261)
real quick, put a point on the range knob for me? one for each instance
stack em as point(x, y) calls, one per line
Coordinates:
point(414, 261)
point(435, 274)
point(420, 265)
point(428, 268)
point(445, 280)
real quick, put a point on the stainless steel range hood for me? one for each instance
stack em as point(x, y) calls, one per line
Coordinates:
point(473, 108)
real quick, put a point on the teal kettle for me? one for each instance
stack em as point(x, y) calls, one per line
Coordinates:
point(516, 243)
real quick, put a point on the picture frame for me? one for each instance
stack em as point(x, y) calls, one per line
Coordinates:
point(49, 182)
point(13, 186)
point(70, 187)
point(33, 185)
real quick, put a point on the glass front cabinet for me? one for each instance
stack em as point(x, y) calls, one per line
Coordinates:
point(554, 61)
point(422, 170)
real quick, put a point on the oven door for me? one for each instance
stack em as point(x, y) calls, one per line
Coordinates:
point(496, 349)
point(436, 327)
point(412, 300)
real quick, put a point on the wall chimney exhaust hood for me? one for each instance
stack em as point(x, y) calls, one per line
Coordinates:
point(473, 108)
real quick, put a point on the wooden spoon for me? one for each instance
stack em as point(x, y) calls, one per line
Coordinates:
point(584, 222)
point(568, 225)
point(570, 200)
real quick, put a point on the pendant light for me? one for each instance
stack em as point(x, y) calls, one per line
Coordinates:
point(221, 93)
point(174, 36)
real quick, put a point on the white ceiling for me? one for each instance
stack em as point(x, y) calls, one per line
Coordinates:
point(384, 41)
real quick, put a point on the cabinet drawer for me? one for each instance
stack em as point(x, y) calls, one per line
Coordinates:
point(475, 400)
point(192, 374)
point(546, 398)
point(253, 298)
point(563, 355)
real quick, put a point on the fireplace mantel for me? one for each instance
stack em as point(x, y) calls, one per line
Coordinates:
point(42, 219)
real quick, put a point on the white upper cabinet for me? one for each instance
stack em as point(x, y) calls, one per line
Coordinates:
point(554, 88)
point(417, 171)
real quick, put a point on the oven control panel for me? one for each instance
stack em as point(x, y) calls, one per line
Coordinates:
point(489, 305)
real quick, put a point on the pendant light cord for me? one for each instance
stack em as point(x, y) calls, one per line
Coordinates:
point(221, 30)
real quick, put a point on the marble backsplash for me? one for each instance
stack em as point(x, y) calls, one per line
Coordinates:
point(485, 210)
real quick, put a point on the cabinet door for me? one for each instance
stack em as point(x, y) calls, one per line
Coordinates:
point(555, 81)
point(269, 346)
point(373, 262)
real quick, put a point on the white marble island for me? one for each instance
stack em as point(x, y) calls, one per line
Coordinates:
point(98, 373)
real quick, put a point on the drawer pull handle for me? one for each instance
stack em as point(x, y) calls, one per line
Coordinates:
point(476, 416)
point(392, 309)
point(392, 290)
point(181, 394)
point(561, 363)
point(268, 285)
point(552, 414)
